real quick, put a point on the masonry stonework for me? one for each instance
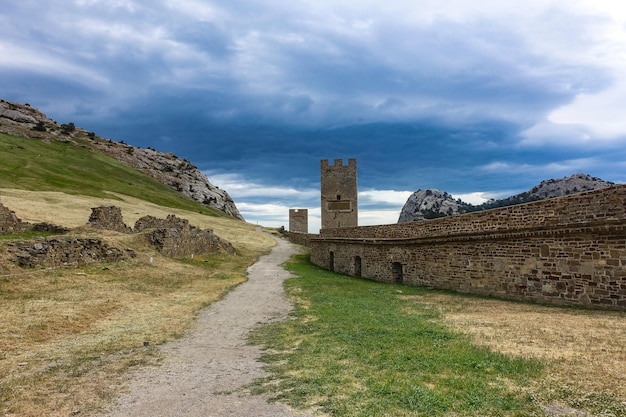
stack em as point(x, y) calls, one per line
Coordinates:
point(568, 250)
point(339, 192)
point(303, 239)
point(175, 237)
point(9, 222)
point(298, 220)
point(172, 236)
point(108, 218)
point(66, 252)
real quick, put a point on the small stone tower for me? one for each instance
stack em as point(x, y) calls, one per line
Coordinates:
point(299, 220)
point(339, 194)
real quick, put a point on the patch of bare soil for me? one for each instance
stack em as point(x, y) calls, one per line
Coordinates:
point(203, 374)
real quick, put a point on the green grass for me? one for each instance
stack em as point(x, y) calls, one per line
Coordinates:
point(25, 235)
point(31, 164)
point(359, 348)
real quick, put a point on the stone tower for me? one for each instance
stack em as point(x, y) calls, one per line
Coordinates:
point(339, 194)
point(299, 220)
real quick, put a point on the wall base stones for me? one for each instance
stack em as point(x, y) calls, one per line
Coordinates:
point(64, 251)
point(303, 239)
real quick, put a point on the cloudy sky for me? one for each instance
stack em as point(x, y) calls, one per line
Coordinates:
point(481, 99)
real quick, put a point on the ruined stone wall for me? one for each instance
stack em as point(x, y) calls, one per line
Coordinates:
point(568, 250)
point(9, 223)
point(56, 252)
point(171, 236)
point(176, 238)
point(299, 220)
point(108, 218)
point(151, 222)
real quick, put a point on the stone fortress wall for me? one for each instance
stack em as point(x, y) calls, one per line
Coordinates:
point(567, 250)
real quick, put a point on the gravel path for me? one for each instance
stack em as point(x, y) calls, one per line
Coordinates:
point(203, 373)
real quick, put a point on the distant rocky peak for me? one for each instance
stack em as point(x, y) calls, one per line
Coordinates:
point(576, 183)
point(428, 204)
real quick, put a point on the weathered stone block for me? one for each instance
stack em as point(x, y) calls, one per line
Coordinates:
point(65, 252)
point(108, 218)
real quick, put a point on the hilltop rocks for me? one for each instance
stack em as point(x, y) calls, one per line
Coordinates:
point(20, 113)
point(178, 174)
point(576, 183)
point(428, 204)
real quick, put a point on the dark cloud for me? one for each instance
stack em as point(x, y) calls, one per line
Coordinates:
point(207, 37)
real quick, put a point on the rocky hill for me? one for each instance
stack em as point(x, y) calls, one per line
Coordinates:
point(430, 204)
point(181, 175)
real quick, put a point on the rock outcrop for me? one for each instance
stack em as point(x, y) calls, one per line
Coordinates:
point(18, 113)
point(430, 204)
point(576, 183)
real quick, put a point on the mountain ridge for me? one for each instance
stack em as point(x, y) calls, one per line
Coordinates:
point(426, 204)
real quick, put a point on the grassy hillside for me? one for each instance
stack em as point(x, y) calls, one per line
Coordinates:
point(31, 164)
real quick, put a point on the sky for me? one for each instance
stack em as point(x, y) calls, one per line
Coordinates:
point(481, 99)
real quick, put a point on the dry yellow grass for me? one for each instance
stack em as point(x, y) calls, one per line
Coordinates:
point(583, 349)
point(68, 336)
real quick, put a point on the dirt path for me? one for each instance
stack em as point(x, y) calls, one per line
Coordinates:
point(203, 373)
